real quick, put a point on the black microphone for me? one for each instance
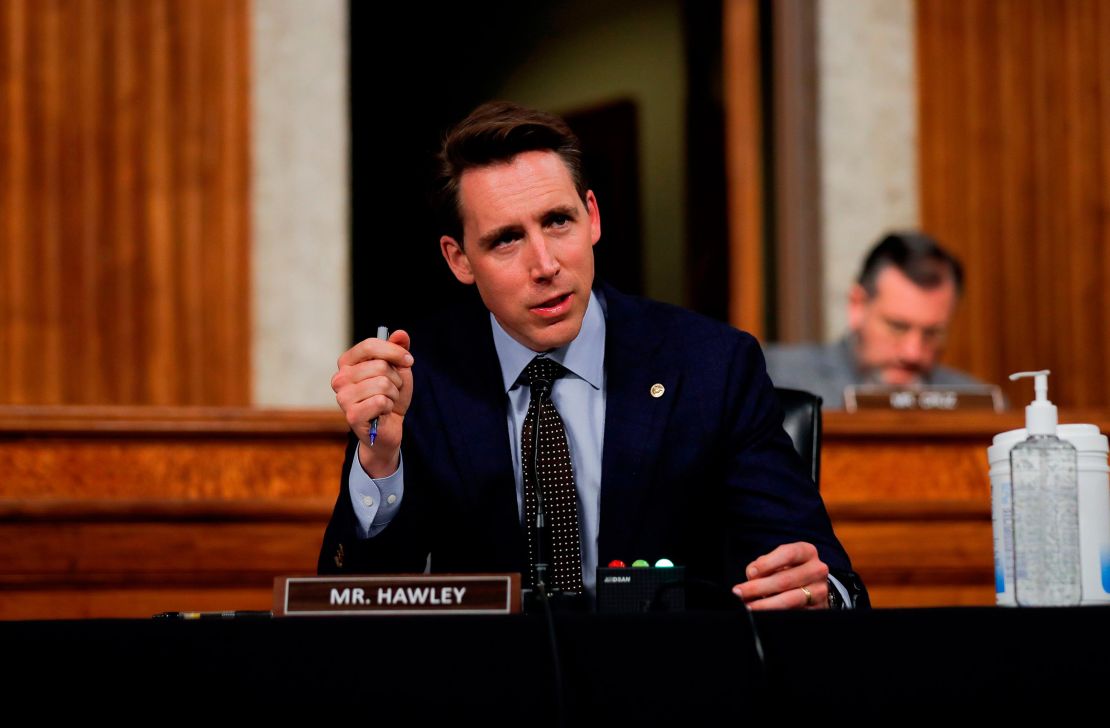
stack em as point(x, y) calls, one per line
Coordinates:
point(541, 388)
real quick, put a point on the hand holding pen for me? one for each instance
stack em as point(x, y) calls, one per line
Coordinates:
point(373, 387)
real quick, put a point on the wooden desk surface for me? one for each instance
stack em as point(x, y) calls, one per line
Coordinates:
point(127, 511)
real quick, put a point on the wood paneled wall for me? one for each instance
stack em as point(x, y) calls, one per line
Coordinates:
point(1015, 177)
point(124, 171)
point(128, 511)
point(744, 163)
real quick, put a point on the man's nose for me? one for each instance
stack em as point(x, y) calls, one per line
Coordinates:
point(912, 347)
point(543, 263)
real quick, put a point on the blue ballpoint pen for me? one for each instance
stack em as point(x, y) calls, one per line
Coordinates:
point(383, 333)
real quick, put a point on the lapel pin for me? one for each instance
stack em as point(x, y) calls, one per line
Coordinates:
point(339, 556)
point(657, 390)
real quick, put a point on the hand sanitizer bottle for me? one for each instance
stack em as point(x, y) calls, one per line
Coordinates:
point(1045, 507)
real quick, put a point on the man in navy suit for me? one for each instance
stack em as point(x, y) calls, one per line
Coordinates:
point(672, 424)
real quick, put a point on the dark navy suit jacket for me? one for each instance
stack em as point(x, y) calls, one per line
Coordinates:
point(703, 475)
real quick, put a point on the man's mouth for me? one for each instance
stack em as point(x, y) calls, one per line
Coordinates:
point(554, 306)
point(902, 375)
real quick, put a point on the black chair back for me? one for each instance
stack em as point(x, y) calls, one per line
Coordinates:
point(802, 421)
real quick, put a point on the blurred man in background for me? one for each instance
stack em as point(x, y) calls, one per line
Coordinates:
point(899, 310)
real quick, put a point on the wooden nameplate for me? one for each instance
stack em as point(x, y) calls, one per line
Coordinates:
point(396, 594)
point(933, 397)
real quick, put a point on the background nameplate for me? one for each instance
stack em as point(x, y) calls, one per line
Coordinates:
point(924, 398)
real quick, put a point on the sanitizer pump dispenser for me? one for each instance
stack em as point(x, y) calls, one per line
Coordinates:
point(1045, 507)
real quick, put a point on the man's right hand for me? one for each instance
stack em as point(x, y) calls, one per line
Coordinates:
point(375, 380)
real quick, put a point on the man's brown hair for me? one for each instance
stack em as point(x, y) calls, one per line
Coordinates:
point(919, 257)
point(496, 132)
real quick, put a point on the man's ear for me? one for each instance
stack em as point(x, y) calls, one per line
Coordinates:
point(595, 217)
point(456, 259)
point(858, 300)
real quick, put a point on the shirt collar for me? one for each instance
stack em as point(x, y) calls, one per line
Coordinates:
point(584, 356)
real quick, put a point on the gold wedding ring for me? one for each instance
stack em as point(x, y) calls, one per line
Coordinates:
point(809, 596)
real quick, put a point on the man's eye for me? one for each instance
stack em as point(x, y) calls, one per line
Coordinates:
point(559, 220)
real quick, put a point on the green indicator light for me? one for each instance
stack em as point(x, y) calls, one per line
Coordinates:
point(639, 562)
point(663, 563)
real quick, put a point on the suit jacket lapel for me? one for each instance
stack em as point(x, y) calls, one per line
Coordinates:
point(474, 411)
point(634, 419)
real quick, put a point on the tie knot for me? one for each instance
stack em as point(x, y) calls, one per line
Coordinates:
point(543, 369)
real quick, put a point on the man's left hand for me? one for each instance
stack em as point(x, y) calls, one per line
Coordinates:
point(792, 576)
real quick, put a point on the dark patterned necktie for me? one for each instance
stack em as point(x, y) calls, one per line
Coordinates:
point(562, 549)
